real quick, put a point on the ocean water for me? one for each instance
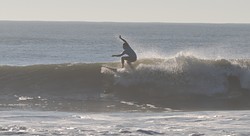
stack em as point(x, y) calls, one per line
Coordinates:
point(190, 79)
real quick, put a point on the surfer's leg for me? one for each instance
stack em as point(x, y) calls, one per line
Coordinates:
point(122, 60)
point(129, 60)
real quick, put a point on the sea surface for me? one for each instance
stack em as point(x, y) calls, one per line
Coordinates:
point(189, 79)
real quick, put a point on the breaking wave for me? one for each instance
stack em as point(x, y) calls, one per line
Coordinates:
point(183, 81)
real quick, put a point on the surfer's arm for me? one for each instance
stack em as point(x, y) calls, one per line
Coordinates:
point(122, 39)
point(119, 55)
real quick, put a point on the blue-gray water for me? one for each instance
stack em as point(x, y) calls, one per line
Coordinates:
point(26, 43)
point(51, 76)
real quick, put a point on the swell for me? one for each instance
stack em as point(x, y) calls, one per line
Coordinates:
point(48, 79)
point(178, 82)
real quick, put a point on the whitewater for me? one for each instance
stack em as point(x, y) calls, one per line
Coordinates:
point(189, 79)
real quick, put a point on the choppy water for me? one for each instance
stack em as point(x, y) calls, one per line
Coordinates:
point(215, 123)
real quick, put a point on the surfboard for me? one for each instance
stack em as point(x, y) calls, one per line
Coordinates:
point(111, 68)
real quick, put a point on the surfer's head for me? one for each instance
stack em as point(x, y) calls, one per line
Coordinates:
point(125, 46)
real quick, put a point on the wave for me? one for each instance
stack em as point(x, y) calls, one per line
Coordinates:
point(187, 74)
point(180, 81)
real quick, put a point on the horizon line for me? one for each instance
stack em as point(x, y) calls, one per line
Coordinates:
point(157, 22)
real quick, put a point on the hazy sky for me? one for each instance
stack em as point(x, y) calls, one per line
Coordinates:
point(196, 11)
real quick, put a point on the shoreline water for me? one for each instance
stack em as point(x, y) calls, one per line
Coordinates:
point(168, 123)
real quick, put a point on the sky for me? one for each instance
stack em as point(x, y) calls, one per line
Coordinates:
point(173, 11)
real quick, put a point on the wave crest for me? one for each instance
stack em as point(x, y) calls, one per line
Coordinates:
point(186, 74)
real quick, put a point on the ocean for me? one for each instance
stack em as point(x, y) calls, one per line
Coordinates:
point(189, 79)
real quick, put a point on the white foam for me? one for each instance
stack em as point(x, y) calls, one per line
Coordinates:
point(186, 72)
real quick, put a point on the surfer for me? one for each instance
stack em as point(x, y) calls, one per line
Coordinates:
point(128, 51)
